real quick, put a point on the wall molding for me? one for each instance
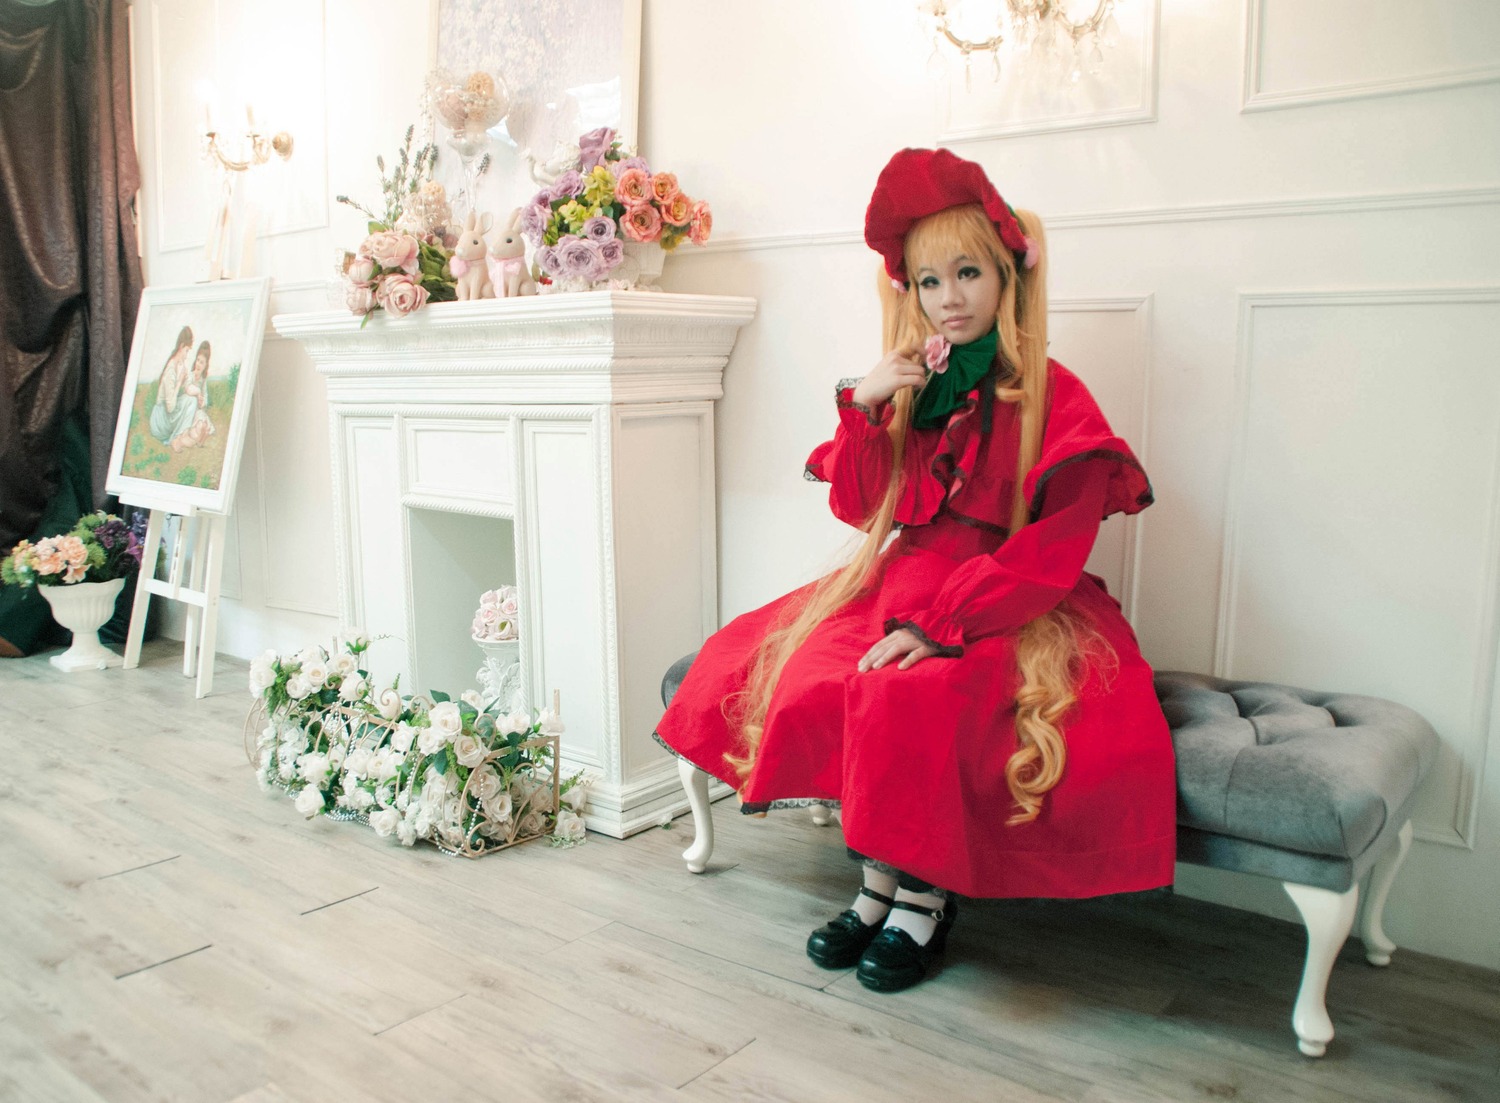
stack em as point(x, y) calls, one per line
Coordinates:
point(1141, 306)
point(1462, 830)
point(1145, 216)
point(1253, 99)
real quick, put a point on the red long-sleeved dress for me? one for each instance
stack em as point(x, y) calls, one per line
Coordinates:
point(916, 757)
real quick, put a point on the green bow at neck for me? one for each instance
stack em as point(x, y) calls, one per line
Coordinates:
point(967, 365)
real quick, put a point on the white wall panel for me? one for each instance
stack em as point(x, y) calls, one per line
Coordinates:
point(1298, 53)
point(1360, 546)
point(1106, 343)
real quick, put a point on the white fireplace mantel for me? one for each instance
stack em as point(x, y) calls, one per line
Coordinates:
point(563, 443)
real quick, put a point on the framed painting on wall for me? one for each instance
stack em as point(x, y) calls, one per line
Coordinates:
point(186, 402)
point(570, 66)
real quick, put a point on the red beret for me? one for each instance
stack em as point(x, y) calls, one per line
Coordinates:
point(920, 182)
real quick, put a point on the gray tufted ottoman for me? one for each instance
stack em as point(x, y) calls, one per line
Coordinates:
point(1313, 789)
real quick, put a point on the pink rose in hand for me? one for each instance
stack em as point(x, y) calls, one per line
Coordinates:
point(399, 295)
point(935, 353)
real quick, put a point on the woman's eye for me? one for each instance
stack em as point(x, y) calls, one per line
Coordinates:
point(929, 282)
point(968, 272)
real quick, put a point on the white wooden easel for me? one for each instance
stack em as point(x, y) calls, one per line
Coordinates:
point(195, 565)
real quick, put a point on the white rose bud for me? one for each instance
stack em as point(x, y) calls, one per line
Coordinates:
point(551, 723)
point(298, 687)
point(343, 665)
point(385, 822)
point(316, 674)
point(353, 688)
point(471, 698)
point(569, 826)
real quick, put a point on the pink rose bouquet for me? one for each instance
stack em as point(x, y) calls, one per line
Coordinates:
point(403, 262)
point(99, 548)
point(579, 222)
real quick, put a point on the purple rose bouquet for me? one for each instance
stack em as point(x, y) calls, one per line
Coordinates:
point(580, 222)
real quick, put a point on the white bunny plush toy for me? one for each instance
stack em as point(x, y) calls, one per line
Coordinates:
point(470, 272)
point(508, 260)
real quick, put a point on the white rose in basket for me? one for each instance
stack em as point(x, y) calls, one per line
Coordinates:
point(343, 665)
point(469, 751)
point(298, 687)
point(402, 738)
point(569, 826)
point(446, 720)
point(353, 688)
point(313, 768)
point(263, 673)
point(309, 801)
point(430, 741)
point(385, 822)
point(550, 722)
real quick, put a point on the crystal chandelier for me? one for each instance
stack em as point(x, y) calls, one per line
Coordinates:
point(1040, 31)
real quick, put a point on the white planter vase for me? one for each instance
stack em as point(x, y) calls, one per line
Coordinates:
point(500, 676)
point(642, 265)
point(83, 608)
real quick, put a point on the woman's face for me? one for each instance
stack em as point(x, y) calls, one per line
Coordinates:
point(960, 296)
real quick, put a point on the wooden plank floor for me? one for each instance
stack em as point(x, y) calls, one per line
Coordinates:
point(169, 932)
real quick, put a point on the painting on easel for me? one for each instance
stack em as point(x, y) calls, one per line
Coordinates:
point(186, 402)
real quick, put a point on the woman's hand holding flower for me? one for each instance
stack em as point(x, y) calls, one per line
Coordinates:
point(896, 369)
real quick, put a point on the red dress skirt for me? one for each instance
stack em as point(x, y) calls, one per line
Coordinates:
point(916, 758)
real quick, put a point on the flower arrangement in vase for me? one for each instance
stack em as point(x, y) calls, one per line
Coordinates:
point(496, 629)
point(606, 206)
point(402, 264)
point(80, 573)
point(466, 776)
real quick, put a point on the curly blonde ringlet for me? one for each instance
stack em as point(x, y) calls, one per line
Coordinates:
point(1050, 649)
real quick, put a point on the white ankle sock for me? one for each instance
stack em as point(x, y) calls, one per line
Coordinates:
point(871, 911)
point(919, 926)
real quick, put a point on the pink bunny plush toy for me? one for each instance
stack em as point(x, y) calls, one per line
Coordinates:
point(508, 260)
point(470, 273)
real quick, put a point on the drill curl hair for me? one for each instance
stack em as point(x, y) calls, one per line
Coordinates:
point(1051, 649)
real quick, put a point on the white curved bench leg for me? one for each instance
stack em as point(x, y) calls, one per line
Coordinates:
point(822, 815)
point(1328, 916)
point(695, 781)
point(1378, 947)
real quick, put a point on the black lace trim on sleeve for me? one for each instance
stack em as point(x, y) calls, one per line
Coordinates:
point(812, 476)
point(848, 404)
point(953, 652)
point(1039, 495)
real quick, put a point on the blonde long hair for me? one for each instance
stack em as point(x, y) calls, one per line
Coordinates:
point(1049, 650)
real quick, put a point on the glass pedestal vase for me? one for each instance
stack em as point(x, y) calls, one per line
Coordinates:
point(500, 677)
point(83, 608)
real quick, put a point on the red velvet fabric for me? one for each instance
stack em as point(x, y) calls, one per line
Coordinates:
point(917, 757)
point(918, 182)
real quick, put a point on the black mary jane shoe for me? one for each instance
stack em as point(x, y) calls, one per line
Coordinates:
point(895, 960)
point(838, 943)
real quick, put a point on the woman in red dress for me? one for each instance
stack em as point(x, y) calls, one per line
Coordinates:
point(972, 700)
